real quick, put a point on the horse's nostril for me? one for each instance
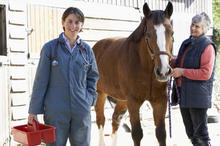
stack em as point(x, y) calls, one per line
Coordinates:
point(158, 71)
point(169, 72)
point(166, 72)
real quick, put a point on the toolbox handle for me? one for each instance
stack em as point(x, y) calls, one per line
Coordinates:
point(34, 126)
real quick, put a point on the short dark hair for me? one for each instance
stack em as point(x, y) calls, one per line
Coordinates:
point(73, 10)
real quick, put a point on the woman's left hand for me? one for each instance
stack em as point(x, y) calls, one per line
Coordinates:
point(32, 117)
point(176, 72)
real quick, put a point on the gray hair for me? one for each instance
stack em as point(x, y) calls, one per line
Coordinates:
point(202, 18)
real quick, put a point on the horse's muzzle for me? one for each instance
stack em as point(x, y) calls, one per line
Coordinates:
point(162, 76)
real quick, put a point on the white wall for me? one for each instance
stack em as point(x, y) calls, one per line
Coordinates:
point(181, 27)
point(4, 113)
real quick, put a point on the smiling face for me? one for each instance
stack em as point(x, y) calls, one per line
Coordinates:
point(196, 29)
point(72, 26)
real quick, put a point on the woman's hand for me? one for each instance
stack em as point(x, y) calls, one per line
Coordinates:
point(32, 117)
point(176, 72)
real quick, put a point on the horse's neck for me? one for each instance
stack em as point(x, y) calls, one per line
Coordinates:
point(143, 53)
point(135, 52)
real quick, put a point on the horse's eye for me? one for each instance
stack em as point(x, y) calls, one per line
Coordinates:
point(148, 35)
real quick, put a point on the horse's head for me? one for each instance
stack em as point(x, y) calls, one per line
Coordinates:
point(159, 38)
point(158, 33)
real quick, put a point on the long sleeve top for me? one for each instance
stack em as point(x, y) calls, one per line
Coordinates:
point(206, 67)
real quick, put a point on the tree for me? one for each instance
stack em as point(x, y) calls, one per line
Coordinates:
point(216, 40)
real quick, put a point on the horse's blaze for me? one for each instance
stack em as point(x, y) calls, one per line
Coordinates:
point(161, 42)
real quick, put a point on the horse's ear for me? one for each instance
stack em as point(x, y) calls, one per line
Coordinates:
point(169, 9)
point(146, 10)
point(139, 32)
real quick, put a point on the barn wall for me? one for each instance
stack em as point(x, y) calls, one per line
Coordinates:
point(4, 101)
point(4, 78)
point(4, 98)
point(123, 18)
point(183, 6)
point(17, 56)
point(18, 59)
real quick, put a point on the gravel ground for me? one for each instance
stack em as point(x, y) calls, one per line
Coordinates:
point(179, 137)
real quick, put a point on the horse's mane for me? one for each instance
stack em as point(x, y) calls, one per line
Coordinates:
point(158, 16)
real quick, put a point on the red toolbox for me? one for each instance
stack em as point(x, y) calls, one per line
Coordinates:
point(32, 135)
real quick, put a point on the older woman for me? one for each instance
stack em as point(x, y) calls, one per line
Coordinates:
point(194, 70)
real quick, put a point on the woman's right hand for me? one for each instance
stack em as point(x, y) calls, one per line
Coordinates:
point(176, 72)
point(32, 117)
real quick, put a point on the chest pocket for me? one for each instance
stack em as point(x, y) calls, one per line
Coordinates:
point(83, 65)
point(80, 73)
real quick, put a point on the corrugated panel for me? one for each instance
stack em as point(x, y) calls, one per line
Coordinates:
point(47, 27)
point(186, 6)
point(180, 6)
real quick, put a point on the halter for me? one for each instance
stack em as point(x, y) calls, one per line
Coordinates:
point(156, 53)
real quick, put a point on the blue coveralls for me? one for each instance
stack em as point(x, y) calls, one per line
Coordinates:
point(66, 92)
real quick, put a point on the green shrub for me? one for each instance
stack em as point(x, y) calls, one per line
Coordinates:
point(216, 40)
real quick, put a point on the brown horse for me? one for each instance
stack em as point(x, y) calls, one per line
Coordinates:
point(136, 69)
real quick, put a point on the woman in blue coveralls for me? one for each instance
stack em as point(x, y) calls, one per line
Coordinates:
point(65, 83)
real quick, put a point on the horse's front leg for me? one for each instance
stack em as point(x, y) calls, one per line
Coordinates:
point(159, 111)
point(137, 132)
point(100, 117)
point(120, 109)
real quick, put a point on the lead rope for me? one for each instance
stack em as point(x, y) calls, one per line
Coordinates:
point(169, 103)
